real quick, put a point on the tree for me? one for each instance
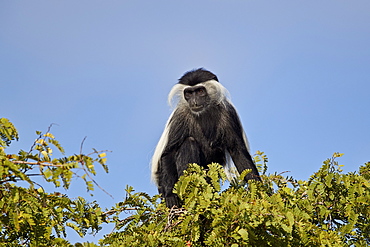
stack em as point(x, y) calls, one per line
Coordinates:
point(331, 208)
point(29, 215)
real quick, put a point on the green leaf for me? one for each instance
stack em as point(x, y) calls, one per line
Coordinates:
point(244, 234)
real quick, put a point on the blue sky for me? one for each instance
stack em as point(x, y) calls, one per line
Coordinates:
point(298, 72)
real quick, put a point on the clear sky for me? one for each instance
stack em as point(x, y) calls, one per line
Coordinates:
point(298, 73)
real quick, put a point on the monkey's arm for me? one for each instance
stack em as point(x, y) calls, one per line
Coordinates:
point(237, 147)
point(167, 177)
point(243, 160)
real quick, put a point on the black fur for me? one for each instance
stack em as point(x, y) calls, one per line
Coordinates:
point(197, 76)
point(201, 138)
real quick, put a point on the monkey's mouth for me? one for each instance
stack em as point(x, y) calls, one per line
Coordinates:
point(197, 108)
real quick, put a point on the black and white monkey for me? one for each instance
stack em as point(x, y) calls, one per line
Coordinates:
point(203, 128)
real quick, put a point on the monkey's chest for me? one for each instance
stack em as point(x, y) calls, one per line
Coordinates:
point(209, 135)
point(209, 141)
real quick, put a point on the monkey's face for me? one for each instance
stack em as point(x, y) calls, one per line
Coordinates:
point(197, 98)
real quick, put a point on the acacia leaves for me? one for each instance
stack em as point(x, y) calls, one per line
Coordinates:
point(8, 133)
point(331, 208)
point(29, 216)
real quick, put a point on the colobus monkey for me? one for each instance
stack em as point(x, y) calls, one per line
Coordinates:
point(203, 128)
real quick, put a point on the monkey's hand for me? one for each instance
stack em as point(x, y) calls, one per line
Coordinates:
point(173, 201)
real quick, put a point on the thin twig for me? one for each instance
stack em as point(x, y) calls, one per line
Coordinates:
point(87, 172)
point(82, 144)
point(110, 212)
point(37, 163)
point(48, 131)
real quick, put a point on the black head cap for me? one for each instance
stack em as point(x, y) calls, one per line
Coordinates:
point(196, 76)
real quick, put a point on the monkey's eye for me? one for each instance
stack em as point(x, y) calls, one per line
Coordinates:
point(187, 94)
point(201, 91)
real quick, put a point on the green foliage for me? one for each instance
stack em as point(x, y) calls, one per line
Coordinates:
point(29, 216)
point(8, 132)
point(330, 209)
